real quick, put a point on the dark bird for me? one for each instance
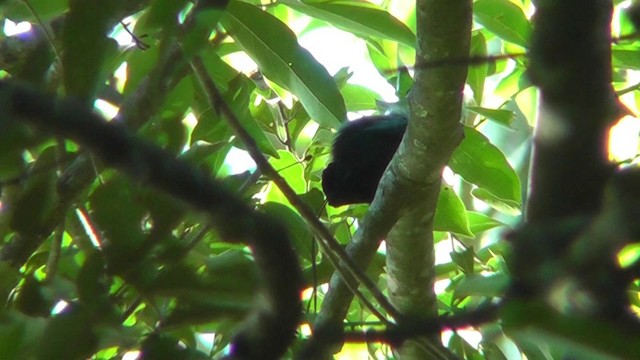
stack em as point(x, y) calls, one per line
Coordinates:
point(361, 152)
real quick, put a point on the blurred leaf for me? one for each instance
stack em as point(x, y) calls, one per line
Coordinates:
point(11, 166)
point(17, 11)
point(221, 72)
point(507, 206)
point(139, 64)
point(300, 234)
point(179, 99)
point(211, 127)
point(204, 22)
point(163, 347)
point(226, 269)
point(360, 18)
point(30, 299)
point(33, 209)
point(512, 84)
point(478, 285)
point(36, 65)
point(163, 15)
point(203, 154)
point(384, 60)
point(19, 335)
point(626, 59)
point(93, 286)
point(68, 335)
point(585, 338)
point(9, 277)
point(272, 45)
point(404, 82)
point(86, 44)
point(482, 164)
point(166, 213)
point(505, 19)
point(460, 347)
point(478, 73)
point(118, 216)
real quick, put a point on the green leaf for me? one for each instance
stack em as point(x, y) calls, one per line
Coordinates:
point(462, 349)
point(68, 335)
point(585, 337)
point(478, 73)
point(360, 18)
point(93, 287)
point(291, 169)
point(478, 285)
point(211, 127)
point(505, 19)
point(221, 72)
point(512, 84)
point(163, 14)
point(464, 259)
point(627, 59)
point(451, 214)
point(238, 97)
point(35, 206)
point(404, 82)
point(163, 347)
point(273, 46)
point(17, 11)
point(36, 65)
point(501, 204)
point(118, 217)
point(232, 271)
point(499, 116)
point(139, 64)
point(86, 44)
point(215, 130)
point(31, 299)
point(358, 98)
point(178, 100)
point(203, 24)
point(19, 334)
point(479, 222)
point(482, 164)
point(384, 59)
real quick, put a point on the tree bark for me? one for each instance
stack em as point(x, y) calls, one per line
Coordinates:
point(571, 64)
point(434, 131)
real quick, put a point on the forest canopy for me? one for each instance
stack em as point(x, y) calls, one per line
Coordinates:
point(161, 179)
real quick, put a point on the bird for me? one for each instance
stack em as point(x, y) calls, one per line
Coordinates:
point(361, 151)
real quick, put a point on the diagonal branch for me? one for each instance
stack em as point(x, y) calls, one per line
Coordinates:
point(269, 331)
point(331, 248)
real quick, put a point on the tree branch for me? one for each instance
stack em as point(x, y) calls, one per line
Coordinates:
point(269, 330)
point(331, 248)
point(411, 184)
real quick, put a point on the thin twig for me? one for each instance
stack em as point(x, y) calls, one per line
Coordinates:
point(464, 61)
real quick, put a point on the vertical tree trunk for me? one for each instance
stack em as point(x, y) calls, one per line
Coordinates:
point(444, 30)
point(571, 63)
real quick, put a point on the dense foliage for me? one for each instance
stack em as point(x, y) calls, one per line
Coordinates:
point(100, 259)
